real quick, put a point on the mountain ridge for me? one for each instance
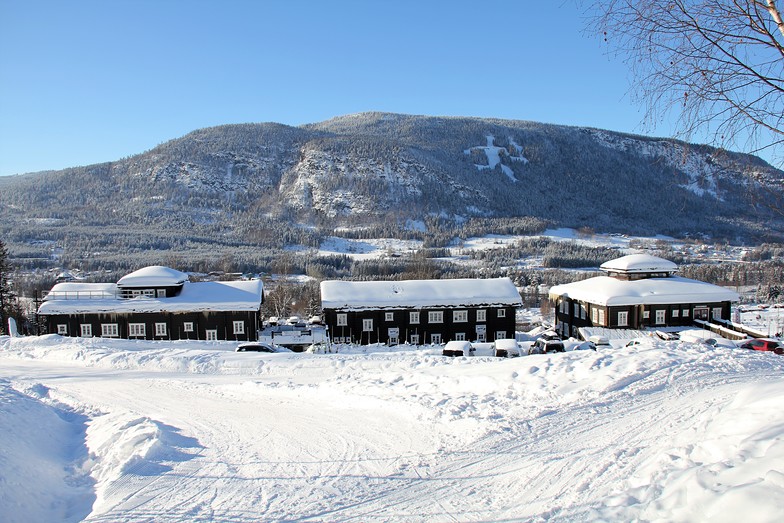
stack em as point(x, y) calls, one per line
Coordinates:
point(240, 183)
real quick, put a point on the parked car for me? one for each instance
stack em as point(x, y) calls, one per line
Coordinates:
point(506, 348)
point(547, 342)
point(257, 346)
point(764, 345)
point(600, 342)
point(458, 348)
point(586, 345)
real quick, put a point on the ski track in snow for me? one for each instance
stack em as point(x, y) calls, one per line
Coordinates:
point(194, 432)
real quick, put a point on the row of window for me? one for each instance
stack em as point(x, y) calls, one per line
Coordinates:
point(459, 316)
point(435, 338)
point(136, 330)
point(701, 313)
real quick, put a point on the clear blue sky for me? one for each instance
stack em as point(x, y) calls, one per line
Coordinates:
point(88, 81)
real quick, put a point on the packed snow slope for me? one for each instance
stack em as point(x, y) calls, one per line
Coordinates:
point(121, 431)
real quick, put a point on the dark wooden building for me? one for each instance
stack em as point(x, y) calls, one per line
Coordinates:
point(155, 303)
point(419, 311)
point(639, 292)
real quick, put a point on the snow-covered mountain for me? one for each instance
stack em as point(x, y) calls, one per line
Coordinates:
point(246, 183)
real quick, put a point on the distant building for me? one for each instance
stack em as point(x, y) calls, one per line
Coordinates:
point(419, 311)
point(639, 292)
point(155, 303)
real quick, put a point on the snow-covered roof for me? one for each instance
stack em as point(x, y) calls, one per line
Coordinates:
point(605, 290)
point(419, 293)
point(72, 298)
point(153, 276)
point(637, 263)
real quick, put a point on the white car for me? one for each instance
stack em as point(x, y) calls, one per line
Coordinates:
point(506, 348)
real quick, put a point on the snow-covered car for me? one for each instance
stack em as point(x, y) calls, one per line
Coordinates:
point(586, 345)
point(600, 342)
point(547, 342)
point(458, 348)
point(763, 344)
point(506, 348)
point(256, 346)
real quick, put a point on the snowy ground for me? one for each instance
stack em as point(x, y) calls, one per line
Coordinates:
point(120, 431)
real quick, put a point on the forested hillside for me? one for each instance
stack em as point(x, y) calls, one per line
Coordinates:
point(242, 193)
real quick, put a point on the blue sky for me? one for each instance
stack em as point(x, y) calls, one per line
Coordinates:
point(88, 81)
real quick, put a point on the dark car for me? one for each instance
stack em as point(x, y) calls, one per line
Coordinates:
point(764, 345)
point(548, 342)
point(257, 347)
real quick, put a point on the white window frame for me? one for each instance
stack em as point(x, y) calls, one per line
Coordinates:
point(460, 317)
point(481, 315)
point(582, 311)
point(675, 313)
point(160, 329)
point(367, 325)
point(460, 336)
point(595, 315)
point(623, 318)
point(661, 317)
point(341, 320)
point(62, 329)
point(160, 293)
point(480, 336)
point(500, 335)
point(414, 338)
point(435, 338)
point(136, 330)
point(646, 315)
point(148, 293)
point(435, 317)
point(187, 326)
point(502, 313)
point(211, 334)
point(86, 330)
point(602, 321)
point(238, 327)
point(413, 318)
point(685, 313)
point(716, 313)
point(389, 316)
point(109, 330)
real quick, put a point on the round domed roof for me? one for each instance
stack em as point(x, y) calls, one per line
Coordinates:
point(639, 263)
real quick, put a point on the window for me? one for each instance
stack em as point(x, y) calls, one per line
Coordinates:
point(435, 338)
point(716, 313)
point(86, 330)
point(160, 293)
point(502, 313)
point(595, 315)
point(623, 319)
point(109, 330)
point(576, 309)
point(685, 313)
point(481, 315)
point(342, 320)
point(562, 306)
point(149, 293)
point(389, 316)
point(435, 317)
point(160, 329)
point(212, 335)
point(460, 336)
point(136, 329)
point(480, 336)
point(601, 317)
point(661, 317)
point(646, 314)
point(675, 313)
point(62, 329)
point(187, 326)
point(460, 316)
point(582, 311)
point(367, 325)
point(413, 317)
point(239, 327)
point(500, 335)
point(414, 338)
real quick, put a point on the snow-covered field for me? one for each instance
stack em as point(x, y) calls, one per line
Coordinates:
point(120, 431)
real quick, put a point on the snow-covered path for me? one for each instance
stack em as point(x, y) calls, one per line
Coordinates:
point(191, 432)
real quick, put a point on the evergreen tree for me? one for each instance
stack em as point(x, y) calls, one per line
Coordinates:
point(7, 298)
